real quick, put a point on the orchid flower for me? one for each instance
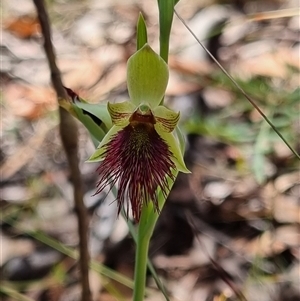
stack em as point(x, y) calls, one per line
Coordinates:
point(141, 150)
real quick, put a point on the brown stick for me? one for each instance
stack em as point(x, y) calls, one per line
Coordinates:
point(69, 136)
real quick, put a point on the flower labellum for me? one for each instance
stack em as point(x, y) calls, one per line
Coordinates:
point(140, 151)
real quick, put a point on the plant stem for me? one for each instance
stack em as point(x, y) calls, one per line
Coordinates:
point(166, 12)
point(146, 226)
point(145, 231)
point(164, 50)
point(141, 268)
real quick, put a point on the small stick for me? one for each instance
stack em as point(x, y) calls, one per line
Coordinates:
point(69, 136)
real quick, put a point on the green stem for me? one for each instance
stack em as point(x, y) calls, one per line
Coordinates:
point(166, 11)
point(146, 226)
point(164, 50)
point(141, 269)
point(150, 266)
point(145, 231)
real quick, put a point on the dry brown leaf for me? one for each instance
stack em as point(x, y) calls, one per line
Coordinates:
point(28, 101)
point(264, 245)
point(115, 78)
point(81, 73)
point(25, 152)
point(272, 64)
point(189, 67)
point(23, 27)
point(267, 64)
point(289, 56)
point(108, 55)
point(12, 247)
point(288, 235)
point(15, 193)
point(286, 209)
point(286, 181)
point(182, 288)
point(217, 98)
point(177, 86)
point(245, 187)
point(95, 284)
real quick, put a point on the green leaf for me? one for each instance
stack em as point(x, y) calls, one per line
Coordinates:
point(147, 77)
point(95, 130)
point(166, 12)
point(141, 32)
point(99, 111)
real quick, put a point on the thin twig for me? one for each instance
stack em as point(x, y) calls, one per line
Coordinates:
point(239, 88)
point(69, 136)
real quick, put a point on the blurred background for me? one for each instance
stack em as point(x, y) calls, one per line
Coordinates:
point(231, 228)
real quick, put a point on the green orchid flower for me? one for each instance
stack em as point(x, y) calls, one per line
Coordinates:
point(142, 149)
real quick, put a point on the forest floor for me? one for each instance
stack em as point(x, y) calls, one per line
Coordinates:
point(230, 229)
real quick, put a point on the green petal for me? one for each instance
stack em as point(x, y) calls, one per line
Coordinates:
point(175, 149)
point(147, 77)
point(98, 154)
point(120, 112)
point(166, 120)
